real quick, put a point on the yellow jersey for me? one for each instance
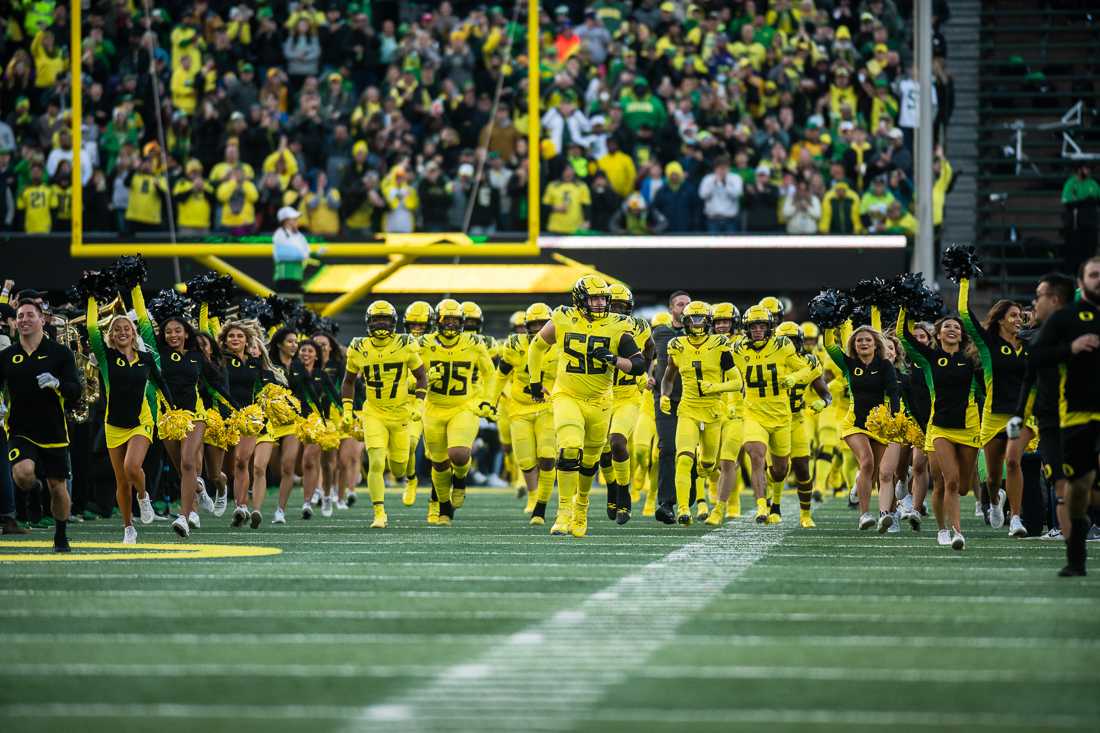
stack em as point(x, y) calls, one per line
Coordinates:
point(385, 368)
point(573, 197)
point(63, 202)
point(456, 364)
point(704, 361)
point(145, 198)
point(798, 391)
point(763, 369)
point(36, 202)
point(578, 374)
point(514, 353)
point(629, 387)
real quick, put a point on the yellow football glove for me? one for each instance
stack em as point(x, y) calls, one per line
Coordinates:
point(666, 404)
point(706, 388)
point(417, 410)
point(817, 406)
point(788, 381)
point(436, 372)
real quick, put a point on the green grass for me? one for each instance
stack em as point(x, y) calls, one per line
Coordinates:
point(829, 629)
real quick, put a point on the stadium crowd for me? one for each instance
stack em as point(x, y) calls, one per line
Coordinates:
point(755, 116)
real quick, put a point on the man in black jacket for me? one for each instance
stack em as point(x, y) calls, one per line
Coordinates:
point(666, 422)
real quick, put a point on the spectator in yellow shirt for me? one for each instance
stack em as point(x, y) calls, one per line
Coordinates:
point(619, 168)
point(324, 208)
point(61, 193)
point(899, 221)
point(840, 211)
point(144, 211)
point(36, 203)
point(232, 162)
point(402, 202)
point(185, 78)
point(194, 197)
point(282, 162)
point(49, 62)
point(237, 197)
point(568, 200)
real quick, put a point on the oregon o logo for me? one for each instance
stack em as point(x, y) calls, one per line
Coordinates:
point(1067, 470)
point(1085, 315)
point(942, 361)
point(234, 362)
point(1048, 470)
point(1006, 350)
point(17, 359)
point(12, 455)
point(858, 371)
point(120, 361)
point(176, 356)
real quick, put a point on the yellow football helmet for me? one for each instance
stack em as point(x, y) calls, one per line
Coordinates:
point(810, 330)
point(664, 318)
point(622, 300)
point(418, 317)
point(758, 315)
point(381, 319)
point(536, 317)
point(697, 318)
point(588, 289)
point(449, 317)
point(472, 319)
point(517, 321)
point(721, 312)
point(774, 307)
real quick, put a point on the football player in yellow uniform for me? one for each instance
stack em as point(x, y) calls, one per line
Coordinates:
point(532, 421)
point(775, 308)
point(725, 321)
point(594, 344)
point(625, 407)
point(384, 358)
point(517, 325)
point(454, 404)
point(418, 320)
point(770, 366)
point(801, 427)
point(823, 434)
point(706, 368)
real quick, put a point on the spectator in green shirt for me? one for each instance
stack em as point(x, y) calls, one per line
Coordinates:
point(641, 107)
point(1080, 199)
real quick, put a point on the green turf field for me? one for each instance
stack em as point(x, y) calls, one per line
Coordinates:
point(491, 625)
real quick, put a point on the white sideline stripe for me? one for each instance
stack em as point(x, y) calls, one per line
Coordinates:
point(632, 617)
point(559, 668)
point(850, 598)
point(790, 241)
point(952, 675)
point(522, 720)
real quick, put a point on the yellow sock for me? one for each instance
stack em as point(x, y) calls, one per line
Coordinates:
point(621, 470)
point(441, 481)
point(821, 474)
point(584, 482)
point(568, 481)
point(683, 481)
point(461, 471)
point(546, 485)
point(376, 484)
point(775, 489)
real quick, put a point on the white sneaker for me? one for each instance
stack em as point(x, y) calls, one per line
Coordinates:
point(958, 542)
point(316, 498)
point(997, 511)
point(193, 520)
point(341, 506)
point(885, 521)
point(129, 536)
point(1052, 534)
point(307, 510)
point(280, 516)
point(900, 490)
point(352, 498)
point(896, 526)
point(943, 537)
point(853, 495)
point(240, 516)
point(179, 526)
point(978, 508)
point(1016, 527)
point(221, 501)
point(495, 482)
point(914, 520)
point(907, 505)
point(326, 505)
point(146, 505)
point(205, 502)
point(866, 521)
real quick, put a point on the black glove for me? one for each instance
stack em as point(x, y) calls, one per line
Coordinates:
point(535, 388)
point(602, 353)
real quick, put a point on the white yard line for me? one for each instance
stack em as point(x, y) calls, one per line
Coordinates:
point(557, 670)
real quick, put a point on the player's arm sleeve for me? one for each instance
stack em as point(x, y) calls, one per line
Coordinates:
point(731, 375)
point(536, 354)
point(628, 349)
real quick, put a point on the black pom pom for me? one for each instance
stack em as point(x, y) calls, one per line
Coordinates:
point(329, 326)
point(959, 261)
point(907, 290)
point(284, 312)
point(217, 291)
point(929, 307)
point(256, 309)
point(97, 284)
point(129, 271)
point(170, 303)
point(830, 308)
point(872, 291)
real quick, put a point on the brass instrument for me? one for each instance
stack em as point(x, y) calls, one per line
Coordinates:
point(68, 335)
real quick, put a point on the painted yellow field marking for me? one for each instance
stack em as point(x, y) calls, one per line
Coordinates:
point(128, 552)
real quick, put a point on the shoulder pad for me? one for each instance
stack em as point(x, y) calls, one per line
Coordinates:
point(674, 344)
point(562, 310)
point(356, 343)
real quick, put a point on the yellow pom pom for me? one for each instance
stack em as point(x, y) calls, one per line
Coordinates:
point(330, 437)
point(880, 422)
point(175, 424)
point(248, 421)
point(279, 404)
point(914, 436)
point(310, 429)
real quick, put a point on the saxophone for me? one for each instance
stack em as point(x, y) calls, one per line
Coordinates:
point(69, 336)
